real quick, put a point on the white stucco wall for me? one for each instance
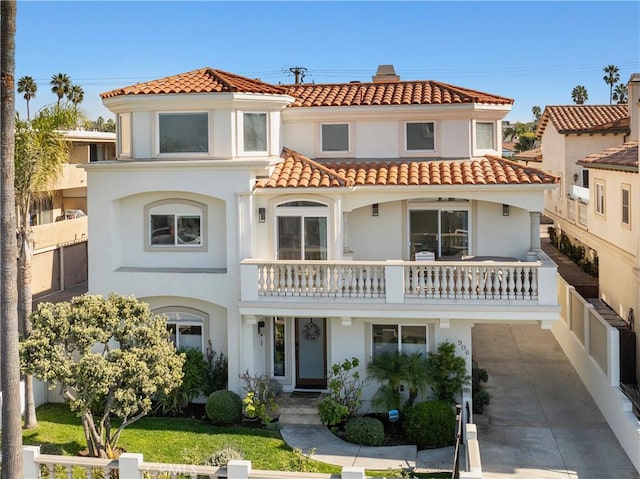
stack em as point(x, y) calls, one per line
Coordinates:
point(378, 238)
point(498, 235)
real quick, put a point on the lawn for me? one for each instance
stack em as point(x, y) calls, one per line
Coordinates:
point(175, 440)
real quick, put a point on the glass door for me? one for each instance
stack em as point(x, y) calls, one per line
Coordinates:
point(302, 238)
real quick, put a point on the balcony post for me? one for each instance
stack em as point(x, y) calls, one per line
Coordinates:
point(394, 281)
point(547, 283)
point(534, 230)
point(249, 281)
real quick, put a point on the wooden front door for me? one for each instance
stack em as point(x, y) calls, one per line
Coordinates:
point(311, 353)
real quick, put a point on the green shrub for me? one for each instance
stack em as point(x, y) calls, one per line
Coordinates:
point(216, 375)
point(345, 385)
point(367, 431)
point(430, 424)
point(447, 372)
point(194, 370)
point(222, 457)
point(224, 407)
point(480, 400)
point(332, 412)
point(260, 398)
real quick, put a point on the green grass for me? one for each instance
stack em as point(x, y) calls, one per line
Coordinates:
point(176, 440)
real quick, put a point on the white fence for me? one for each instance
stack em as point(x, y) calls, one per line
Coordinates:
point(593, 348)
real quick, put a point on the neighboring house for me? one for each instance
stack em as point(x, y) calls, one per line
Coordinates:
point(595, 150)
point(530, 156)
point(59, 219)
point(508, 149)
point(296, 226)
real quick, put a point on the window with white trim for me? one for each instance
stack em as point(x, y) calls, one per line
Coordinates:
point(626, 205)
point(279, 347)
point(600, 205)
point(391, 338)
point(185, 330)
point(420, 136)
point(124, 135)
point(254, 129)
point(175, 224)
point(335, 137)
point(302, 230)
point(485, 136)
point(183, 132)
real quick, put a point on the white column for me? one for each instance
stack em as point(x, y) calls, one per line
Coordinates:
point(534, 219)
point(346, 249)
point(129, 465)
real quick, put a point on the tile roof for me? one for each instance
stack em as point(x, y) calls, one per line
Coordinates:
point(585, 119)
point(203, 80)
point(297, 171)
point(389, 93)
point(209, 80)
point(623, 156)
point(529, 155)
point(509, 145)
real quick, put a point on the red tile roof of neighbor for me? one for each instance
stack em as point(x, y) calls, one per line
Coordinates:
point(585, 119)
point(208, 80)
point(623, 156)
point(298, 171)
point(529, 155)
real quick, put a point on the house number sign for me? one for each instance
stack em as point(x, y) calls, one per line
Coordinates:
point(463, 347)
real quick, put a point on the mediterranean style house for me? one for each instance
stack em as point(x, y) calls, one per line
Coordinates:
point(594, 150)
point(295, 226)
point(59, 219)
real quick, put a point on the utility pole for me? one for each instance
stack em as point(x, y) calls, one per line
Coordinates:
point(299, 73)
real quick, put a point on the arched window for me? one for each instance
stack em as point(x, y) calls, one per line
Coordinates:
point(175, 224)
point(185, 328)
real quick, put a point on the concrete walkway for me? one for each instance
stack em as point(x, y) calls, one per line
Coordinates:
point(542, 422)
point(326, 447)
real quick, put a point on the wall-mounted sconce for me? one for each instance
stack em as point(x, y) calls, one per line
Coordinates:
point(262, 215)
point(505, 210)
point(260, 327)
point(575, 177)
point(375, 209)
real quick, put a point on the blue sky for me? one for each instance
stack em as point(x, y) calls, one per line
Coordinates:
point(533, 52)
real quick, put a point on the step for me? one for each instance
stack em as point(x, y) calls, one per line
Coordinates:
point(299, 419)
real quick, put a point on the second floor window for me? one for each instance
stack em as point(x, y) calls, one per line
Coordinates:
point(484, 136)
point(302, 231)
point(176, 224)
point(420, 136)
point(626, 207)
point(599, 185)
point(183, 132)
point(255, 131)
point(335, 137)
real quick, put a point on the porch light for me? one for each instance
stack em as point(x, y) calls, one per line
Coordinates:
point(262, 215)
point(375, 209)
point(505, 210)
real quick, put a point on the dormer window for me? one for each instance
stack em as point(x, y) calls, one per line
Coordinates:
point(485, 136)
point(254, 128)
point(183, 132)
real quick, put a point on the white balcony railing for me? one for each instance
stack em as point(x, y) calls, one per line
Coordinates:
point(399, 281)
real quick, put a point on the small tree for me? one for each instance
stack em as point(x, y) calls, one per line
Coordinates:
point(579, 95)
point(447, 372)
point(110, 356)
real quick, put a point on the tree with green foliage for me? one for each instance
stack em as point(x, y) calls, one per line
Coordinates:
point(620, 93)
point(611, 77)
point(40, 153)
point(579, 94)
point(110, 356)
point(447, 372)
point(12, 464)
point(28, 87)
point(60, 85)
point(387, 368)
point(75, 95)
point(537, 111)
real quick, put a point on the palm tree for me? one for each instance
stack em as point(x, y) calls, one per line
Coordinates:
point(611, 77)
point(60, 85)
point(40, 152)
point(537, 111)
point(29, 87)
point(620, 94)
point(76, 94)
point(12, 465)
point(579, 95)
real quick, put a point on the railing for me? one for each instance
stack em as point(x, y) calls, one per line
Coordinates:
point(400, 281)
point(469, 280)
point(60, 232)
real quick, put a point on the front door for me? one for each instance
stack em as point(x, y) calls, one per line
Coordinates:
point(311, 353)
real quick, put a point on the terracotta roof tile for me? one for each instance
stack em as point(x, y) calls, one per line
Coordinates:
point(298, 171)
point(623, 156)
point(391, 93)
point(529, 155)
point(203, 80)
point(585, 119)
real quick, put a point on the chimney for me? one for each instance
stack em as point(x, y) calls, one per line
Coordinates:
point(385, 73)
point(633, 99)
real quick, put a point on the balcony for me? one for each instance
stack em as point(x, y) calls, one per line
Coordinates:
point(394, 282)
point(60, 233)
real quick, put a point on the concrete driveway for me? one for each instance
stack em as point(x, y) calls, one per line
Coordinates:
point(541, 422)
